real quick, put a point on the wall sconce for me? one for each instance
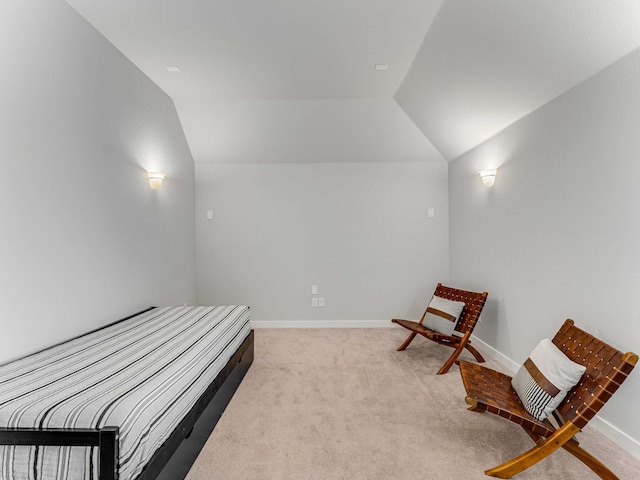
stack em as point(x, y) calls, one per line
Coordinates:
point(488, 176)
point(155, 179)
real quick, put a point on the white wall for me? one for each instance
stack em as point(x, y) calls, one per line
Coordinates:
point(359, 231)
point(558, 235)
point(84, 239)
point(306, 130)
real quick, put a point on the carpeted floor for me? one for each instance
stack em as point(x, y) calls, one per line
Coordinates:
point(343, 404)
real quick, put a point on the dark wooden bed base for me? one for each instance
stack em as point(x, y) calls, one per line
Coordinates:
point(106, 438)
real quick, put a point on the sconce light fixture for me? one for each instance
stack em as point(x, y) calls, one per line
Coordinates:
point(155, 179)
point(488, 176)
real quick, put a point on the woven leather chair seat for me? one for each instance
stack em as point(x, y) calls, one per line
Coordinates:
point(493, 389)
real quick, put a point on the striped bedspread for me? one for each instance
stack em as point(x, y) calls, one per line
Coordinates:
point(141, 375)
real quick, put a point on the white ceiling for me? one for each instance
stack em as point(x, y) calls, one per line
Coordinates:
point(485, 64)
point(267, 49)
point(256, 73)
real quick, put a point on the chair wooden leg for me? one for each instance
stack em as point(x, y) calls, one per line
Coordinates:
point(475, 353)
point(456, 352)
point(531, 457)
point(589, 460)
point(475, 406)
point(447, 365)
point(406, 343)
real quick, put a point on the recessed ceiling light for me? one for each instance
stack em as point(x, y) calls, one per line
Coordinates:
point(173, 69)
point(382, 66)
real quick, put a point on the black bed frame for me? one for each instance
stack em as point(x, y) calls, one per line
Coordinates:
point(107, 438)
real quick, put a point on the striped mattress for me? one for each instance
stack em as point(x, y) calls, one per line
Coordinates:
point(142, 375)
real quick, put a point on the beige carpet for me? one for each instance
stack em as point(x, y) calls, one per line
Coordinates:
point(343, 404)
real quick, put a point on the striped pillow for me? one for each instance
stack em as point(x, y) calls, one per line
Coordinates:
point(442, 315)
point(545, 378)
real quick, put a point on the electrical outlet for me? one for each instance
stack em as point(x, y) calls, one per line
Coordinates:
point(314, 302)
point(321, 302)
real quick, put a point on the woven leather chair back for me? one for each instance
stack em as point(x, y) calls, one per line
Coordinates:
point(474, 302)
point(607, 368)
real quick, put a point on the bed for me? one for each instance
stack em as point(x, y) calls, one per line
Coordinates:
point(115, 403)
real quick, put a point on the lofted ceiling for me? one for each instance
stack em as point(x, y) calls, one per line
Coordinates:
point(267, 49)
point(294, 80)
point(485, 64)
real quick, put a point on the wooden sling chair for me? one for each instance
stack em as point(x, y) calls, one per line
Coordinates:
point(474, 302)
point(491, 391)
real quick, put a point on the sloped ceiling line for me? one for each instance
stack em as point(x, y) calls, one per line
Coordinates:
point(284, 80)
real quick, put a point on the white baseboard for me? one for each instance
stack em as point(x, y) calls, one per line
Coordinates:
point(496, 355)
point(616, 435)
point(610, 431)
point(322, 324)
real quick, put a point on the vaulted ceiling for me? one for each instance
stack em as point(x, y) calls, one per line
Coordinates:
point(291, 80)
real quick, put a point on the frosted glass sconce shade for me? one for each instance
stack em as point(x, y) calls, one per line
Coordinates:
point(488, 176)
point(155, 179)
